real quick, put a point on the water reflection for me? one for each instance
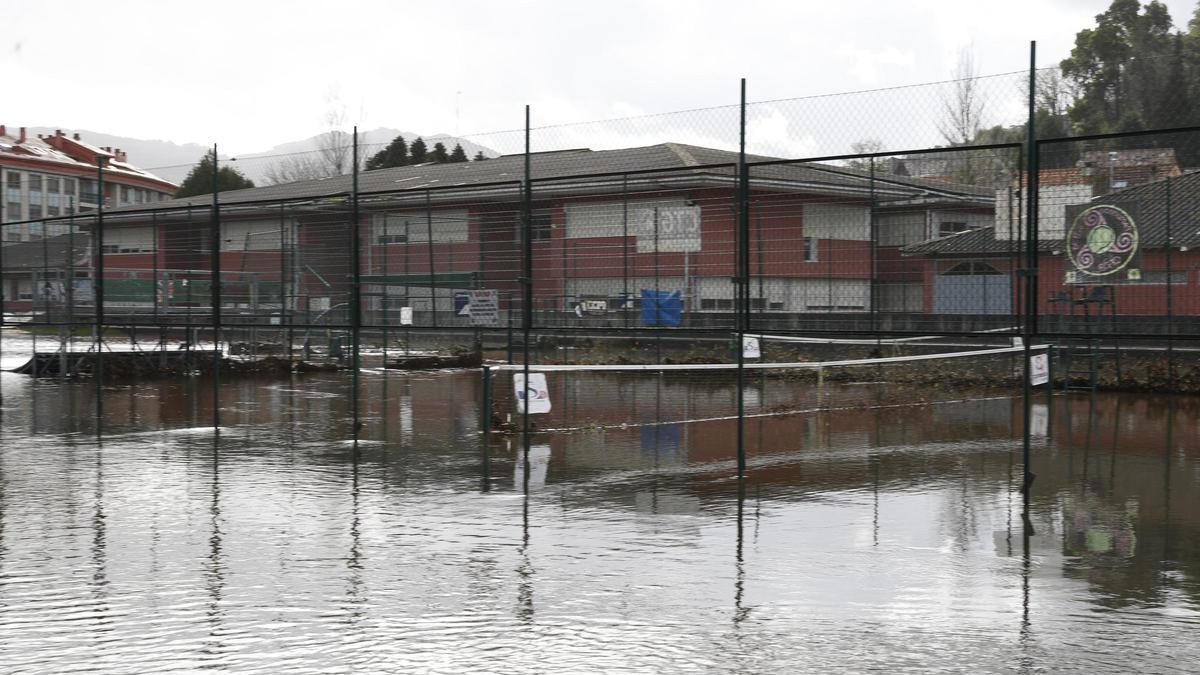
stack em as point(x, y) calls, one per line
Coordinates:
point(874, 537)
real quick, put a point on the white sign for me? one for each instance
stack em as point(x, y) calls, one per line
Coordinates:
point(750, 348)
point(1039, 420)
point(537, 392)
point(675, 229)
point(1039, 369)
point(539, 461)
point(406, 316)
point(484, 307)
point(83, 291)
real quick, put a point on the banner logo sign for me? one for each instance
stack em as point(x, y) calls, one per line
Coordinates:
point(536, 394)
point(674, 229)
point(1102, 241)
point(1039, 369)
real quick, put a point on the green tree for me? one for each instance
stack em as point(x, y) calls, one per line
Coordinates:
point(395, 154)
point(199, 180)
point(418, 152)
point(479, 157)
point(439, 154)
point(458, 154)
point(1121, 68)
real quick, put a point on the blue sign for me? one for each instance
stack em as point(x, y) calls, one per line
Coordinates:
point(661, 308)
point(462, 303)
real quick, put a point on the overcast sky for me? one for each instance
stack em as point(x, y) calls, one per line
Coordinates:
point(251, 74)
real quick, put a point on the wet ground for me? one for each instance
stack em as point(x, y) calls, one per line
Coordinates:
point(884, 534)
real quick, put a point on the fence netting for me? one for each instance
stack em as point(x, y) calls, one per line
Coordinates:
point(871, 224)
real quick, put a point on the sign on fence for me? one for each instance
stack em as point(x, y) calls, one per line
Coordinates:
point(750, 347)
point(462, 303)
point(406, 317)
point(482, 305)
point(1102, 244)
point(1039, 369)
point(537, 393)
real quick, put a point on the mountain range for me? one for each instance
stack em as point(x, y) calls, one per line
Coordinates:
point(172, 161)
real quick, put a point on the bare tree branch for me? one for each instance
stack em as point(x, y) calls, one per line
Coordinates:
point(963, 107)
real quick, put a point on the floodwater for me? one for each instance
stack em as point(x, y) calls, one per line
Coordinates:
point(864, 537)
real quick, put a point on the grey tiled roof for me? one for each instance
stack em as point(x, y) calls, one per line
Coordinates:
point(684, 159)
point(979, 241)
point(1154, 214)
point(49, 253)
point(1157, 216)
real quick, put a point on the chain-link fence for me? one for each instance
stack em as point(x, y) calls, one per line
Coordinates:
point(959, 214)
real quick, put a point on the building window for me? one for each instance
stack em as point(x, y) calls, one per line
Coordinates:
point(53, 197)
point(35, 197)
point(448, 227)
point(717, 303)
point(129, 240)
point(89, 192)
point(972, 268)
point(12, 203)
point(949, 227)
point(540, 228)
point(810, 249)
point(1178, 278)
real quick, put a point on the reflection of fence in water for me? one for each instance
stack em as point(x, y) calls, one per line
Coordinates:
point(615, 396)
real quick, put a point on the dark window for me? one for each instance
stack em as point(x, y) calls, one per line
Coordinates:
point(540, 227)
point(949, 227)
point(1160, 277)
point(810, 249)
point(972, 268)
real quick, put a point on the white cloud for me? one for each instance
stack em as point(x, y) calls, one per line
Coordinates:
point(251, 75)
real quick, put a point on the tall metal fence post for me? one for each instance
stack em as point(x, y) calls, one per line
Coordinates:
point(742, 268)
point(214, 287)
point(526, 287)
point(485, 412)
point(433, 304)
point(1031, 262)
point(286, 293)
point(98, 292)
point(1170, 293)
point(356, 288)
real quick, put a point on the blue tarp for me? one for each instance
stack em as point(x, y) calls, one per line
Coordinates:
point(661, 308)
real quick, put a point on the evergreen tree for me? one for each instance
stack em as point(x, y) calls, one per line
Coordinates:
point(458, 154)
point(199, 180)
point(1121, 68)
point(395, 154)
point(1132, 72)
point(439, 154)
point(479, 157)
point(417, 152)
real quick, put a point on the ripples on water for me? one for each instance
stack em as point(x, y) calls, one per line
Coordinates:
point(862, 539)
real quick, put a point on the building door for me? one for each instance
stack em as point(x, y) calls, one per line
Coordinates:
point(972, 288)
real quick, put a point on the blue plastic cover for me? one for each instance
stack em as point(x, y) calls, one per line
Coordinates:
point(661, 308)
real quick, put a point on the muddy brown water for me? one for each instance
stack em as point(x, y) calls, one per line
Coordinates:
point(884, 534)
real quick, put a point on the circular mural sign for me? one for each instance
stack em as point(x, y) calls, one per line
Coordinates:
point(1102, 240)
